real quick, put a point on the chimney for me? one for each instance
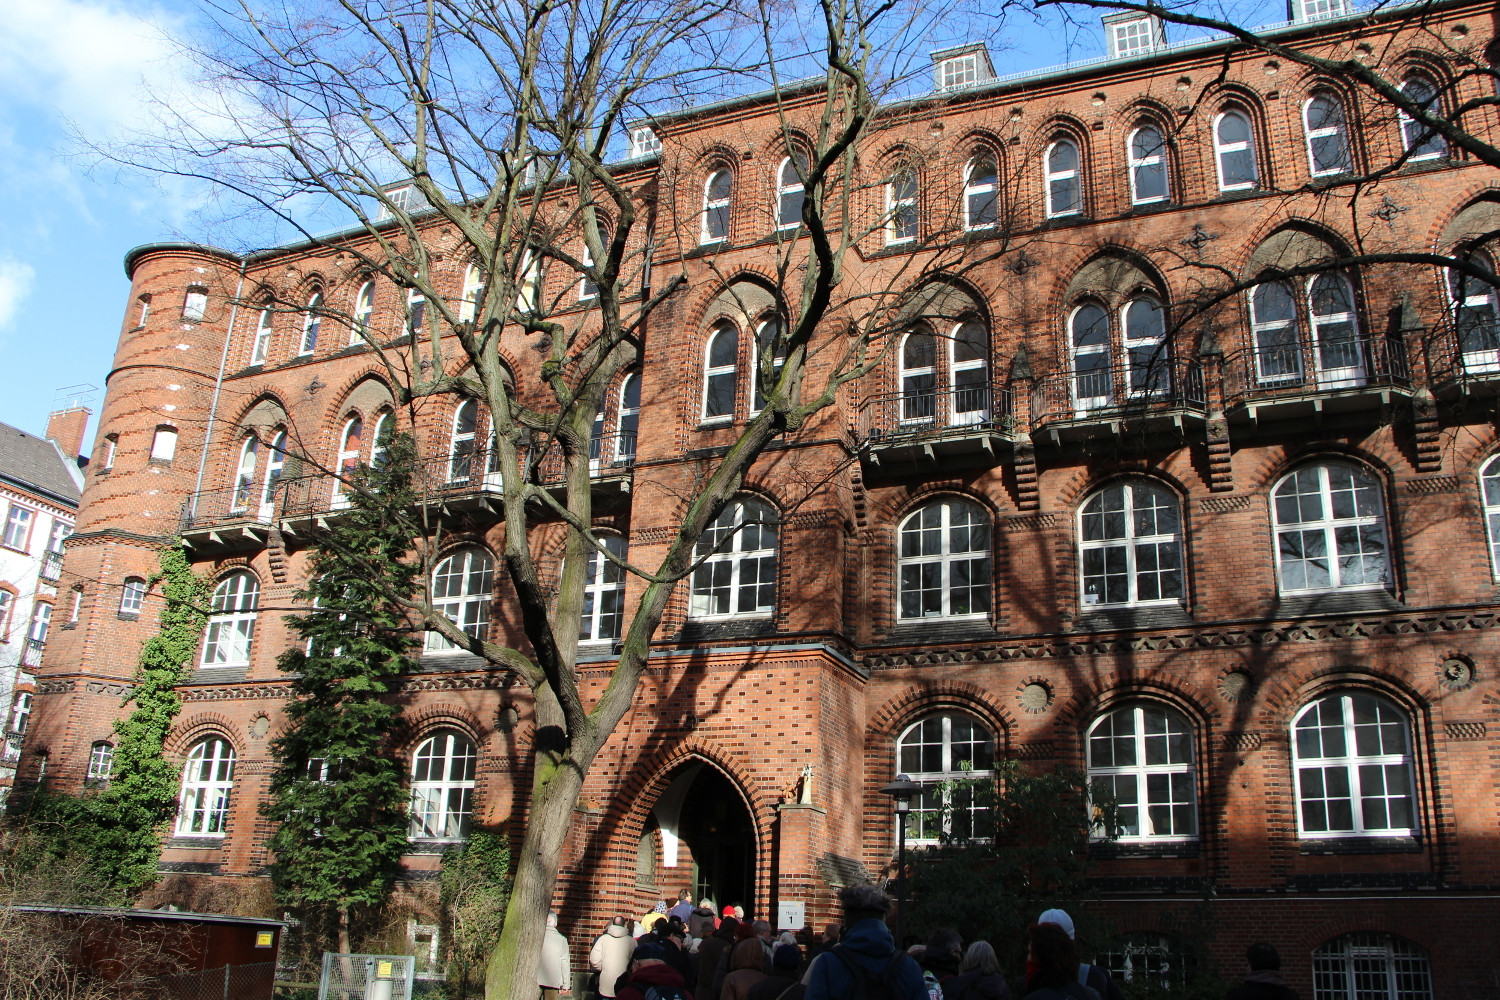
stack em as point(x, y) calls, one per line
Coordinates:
point(65, 429)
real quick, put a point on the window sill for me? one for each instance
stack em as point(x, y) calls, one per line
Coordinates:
point(164, 463)
point(128, 616)
point(734, 628)
point(707, 249)
point(217, 674)
point(1361, 845)
point(1105, 849)
point(186, 842)
point(928, 631)
point(713, 423)
point(1112, 619)
point(1335, 602)
point(433, 846)
point(65, 626)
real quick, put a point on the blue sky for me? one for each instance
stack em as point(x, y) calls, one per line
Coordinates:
point(87, 67)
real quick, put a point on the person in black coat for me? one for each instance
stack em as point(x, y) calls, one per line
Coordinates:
point(1264, 981)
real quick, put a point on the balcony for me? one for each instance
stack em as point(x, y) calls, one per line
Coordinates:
point(1465, 363)
point(1159, 395)
point(923, 430)
point(31, 653)
point(611, 463)
point(51, 570)
point(1309, 381)
point(230, 518)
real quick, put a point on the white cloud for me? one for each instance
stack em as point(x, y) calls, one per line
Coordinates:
point(15, 285)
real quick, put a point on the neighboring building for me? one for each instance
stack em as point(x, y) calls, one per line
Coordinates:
point(40, 484)
point(1245, 574)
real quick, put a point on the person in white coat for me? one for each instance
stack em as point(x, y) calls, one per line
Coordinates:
point(610, 956)
point(552, 972)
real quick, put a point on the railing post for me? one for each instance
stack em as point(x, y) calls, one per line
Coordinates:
point(1216, 425)
point(1022, 385)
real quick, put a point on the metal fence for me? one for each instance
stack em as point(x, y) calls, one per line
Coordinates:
point(366, 977)
point(231, 982)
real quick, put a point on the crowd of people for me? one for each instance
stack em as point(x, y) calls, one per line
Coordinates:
point(687, 952)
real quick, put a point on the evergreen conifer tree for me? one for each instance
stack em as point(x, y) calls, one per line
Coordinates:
point(336, 791)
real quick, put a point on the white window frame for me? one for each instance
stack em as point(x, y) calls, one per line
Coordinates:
point(76, 607)
point(1083, 379)
point(416, 312)
point(728, 371)
point(1330, 526)
point(1148, 358)
point(795, 188)
point(265, 326)
point(903, 220)
point(982, 189)
point(41, 621)
point(948, 519)
point(18, 524)
point(1472, 297)
point(603, 585)
point(111, 443)
point(351, 444)
point(644, 141)
point(442, 787)
point(7, 605)
point(918, 382)
point(468, 306)
point(312, 325)
point(244, 476)
point(230, 635)
point(378, 451)
point(1135, 499)
point(628, 418)
point(716, 208)
point(207, 784)
point(959, 71)
point(1052, 178)
point(1335, 376)
point(462, 444)
point(145, 311)
point(20, 713)
point(1346, 967)
point(771, 328)
point(1355, 767)
point(132, 595)
point(1290, 346)
point(1411, 130)
point(963, 389)
point(930, 802)
point(1223, 149)
point(1132, 36)
point(732, 568)
point(364, 311)
point(275, 467)
point(1339, 131)
point(1489, 499)
point(1148, 778)
point(164, 443)
point(1156, 161)
point(463, 589)
point(101, 761)
point(195, 304)
point(1319, 10)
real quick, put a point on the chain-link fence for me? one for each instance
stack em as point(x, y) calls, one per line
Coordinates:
point(366, 977)
point(231, 982)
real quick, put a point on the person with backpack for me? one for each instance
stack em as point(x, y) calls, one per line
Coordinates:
point(940, 961)
point(865, 965)
point(1094, 977)
point(651, 978)
point(1052, 966)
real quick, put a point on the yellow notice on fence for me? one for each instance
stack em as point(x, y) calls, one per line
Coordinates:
point(264, 939)
point(383, 970)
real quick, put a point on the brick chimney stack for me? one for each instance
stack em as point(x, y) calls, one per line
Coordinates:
point(65, 429)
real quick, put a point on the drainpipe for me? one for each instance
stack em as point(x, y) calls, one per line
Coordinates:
point(213, 409)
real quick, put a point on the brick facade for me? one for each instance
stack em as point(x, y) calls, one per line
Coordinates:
point(834, 677)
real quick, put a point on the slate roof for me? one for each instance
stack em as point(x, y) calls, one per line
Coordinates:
point(30, 461)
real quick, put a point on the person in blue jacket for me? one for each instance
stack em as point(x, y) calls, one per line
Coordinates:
point(865, 962)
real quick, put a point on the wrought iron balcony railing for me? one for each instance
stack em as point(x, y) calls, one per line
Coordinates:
point(1114, 392)
point(954, 410)
point(1297, 369)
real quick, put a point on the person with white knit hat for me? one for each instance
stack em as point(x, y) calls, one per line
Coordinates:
point(1093, 976)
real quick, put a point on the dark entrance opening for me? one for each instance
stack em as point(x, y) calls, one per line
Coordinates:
point(716, 834)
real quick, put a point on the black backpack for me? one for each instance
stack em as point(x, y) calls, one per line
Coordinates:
point(865, 985)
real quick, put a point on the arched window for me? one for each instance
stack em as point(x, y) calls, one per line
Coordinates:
point(7, 605)
point(918, 378)
point(1130, 546)
point(442, 787)
point(603, 593)
point(1273, 326)
point(385, 426)
point(145, 311)
point(416, 311)
point(1146, 349)
point(1327, 136)
point(468, 306)
point(1352, 754)
point(231, 626)
point(1330, 530)
point(1147, 958)
point(953, 756)
point(101, 761)
point(901, 208)
point(364, 309)
point(791, 191)
point(768, 339)
point(1064, 184)
point(461, 441)
point(1416, 139)
point(1234, 151)
point(969, 369)
point(1093, 383)
point(629, 418)
point(981, 192)
point(1141, 758)
point(1476, 315)
point(1338, 350)
point(737, 573)
point(1489, 489)
point(275, 468)
point(718, 191)
point(462, 586)
point(348, 459)
point(943, 562)
point(312, 322)
point(1147, 153)
point(207, 780)
point(264, 327)
point(164, 443)
point(1371, 967)
point(721, 357)
point(132, 595)
point(244, 477)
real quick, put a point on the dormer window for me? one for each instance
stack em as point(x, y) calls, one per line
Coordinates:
point(1132, 34)
point(955, 69)
point(402, 197)
point(1316, 10)
point(643, 142)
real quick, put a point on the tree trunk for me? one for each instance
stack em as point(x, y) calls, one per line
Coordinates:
point(511, 973)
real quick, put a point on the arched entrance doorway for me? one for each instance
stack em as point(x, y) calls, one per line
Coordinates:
point(707, 836)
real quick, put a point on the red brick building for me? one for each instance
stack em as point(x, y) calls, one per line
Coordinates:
point(1242, 567)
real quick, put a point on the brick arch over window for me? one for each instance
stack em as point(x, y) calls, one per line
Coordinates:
point(1472, 226)
point(365, 394)
point(1164, 686)
point(427, 720)
point(1383, 464)
point(899, 711)
point(1288, 689)
point(199, 726)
